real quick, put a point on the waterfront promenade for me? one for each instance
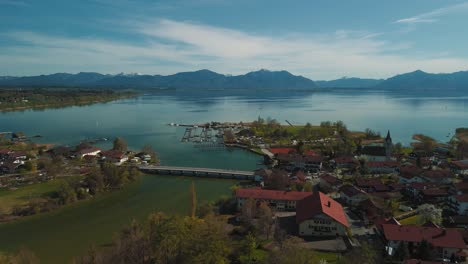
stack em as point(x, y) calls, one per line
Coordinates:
point(198, 172)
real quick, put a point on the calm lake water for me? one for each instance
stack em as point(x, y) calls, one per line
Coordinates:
point(58, 236)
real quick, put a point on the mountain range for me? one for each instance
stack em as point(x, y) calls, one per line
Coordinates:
point(262, 79)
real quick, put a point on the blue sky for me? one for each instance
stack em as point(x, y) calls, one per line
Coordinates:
point(317, 39)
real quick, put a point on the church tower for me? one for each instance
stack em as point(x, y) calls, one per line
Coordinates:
point(388, 146)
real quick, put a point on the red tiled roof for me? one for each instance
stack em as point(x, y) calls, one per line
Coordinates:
point(462, 198)
point(113, 154)
point(410, 171)
point(310, 153)
point(438, 237)
point(422, 185)
point(461, 164)
point(435, 192)
point(319, 203)
point(378, 164)
point(344, 159)
point(368, 182)
point(282, 150)
point(4, 151)
point(262, 194)
point(351, 191)
point(461, 186)
point(330, 179)
point(438, 174)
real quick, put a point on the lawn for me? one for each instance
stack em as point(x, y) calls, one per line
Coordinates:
point(330, 257)
point(11, 198)
point(413, 220)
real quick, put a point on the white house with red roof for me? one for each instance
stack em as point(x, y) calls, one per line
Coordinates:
point(320, 215)
point(114, 156)
point(447, 242)
point(460, 166)
point(278, 200)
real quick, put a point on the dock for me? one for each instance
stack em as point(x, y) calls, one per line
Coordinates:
point(198, 172)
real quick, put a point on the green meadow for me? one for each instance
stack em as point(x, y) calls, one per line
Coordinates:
point(58, 236)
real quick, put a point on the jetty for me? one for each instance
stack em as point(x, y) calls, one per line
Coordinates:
point(198, 172)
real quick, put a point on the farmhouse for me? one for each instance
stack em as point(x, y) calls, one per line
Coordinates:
point(278, 200)
point(320, 215)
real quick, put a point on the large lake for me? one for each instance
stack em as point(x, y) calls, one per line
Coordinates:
point(58, 236)
point(144, 120)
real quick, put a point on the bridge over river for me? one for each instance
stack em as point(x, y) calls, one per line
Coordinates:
point(198, 172)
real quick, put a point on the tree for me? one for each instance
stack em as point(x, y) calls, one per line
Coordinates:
point(279, 235)
point(193, 200)
point(308, 186)
point(148, 149)
point(249, 245)
point(120, 144)
point(364, 255)
point(95, 182)
point(425, 251)
point(430, 213)
point(248, 211)
point(265, 216)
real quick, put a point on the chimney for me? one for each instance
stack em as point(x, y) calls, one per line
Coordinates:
point(329, 204)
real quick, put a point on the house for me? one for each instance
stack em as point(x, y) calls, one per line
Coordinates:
point(459, 204)
point(344, 162)
point(291, 161)
point(438, 176)
point(370, 185)
point(383, 167)
point(373, 209)
point(434, 195)
point(413, 190)
point(459, 187)
point(5, 153)
point(18, 156)
point(89, 151)
point(447, 242)
point(329, 182)
point(352, 195)
point(460, 167)
point(320, 215)
point(297, 176)
point(114, 156)
point(410, 173)
point(278, 200)
point(10, 166)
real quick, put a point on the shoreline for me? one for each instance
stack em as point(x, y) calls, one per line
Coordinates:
point(65, 105)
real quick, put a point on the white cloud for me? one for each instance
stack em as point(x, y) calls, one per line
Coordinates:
point(171, 46)
point(429, 17)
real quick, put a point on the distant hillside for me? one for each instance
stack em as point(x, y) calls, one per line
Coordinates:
point(423, 80)
point(349, 83)
point(203, 79)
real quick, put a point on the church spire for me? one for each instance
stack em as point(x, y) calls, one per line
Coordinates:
point(388, 136)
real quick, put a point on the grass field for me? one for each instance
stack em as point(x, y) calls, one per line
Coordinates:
point(21, 196)
point(413, 220)
point(58, 236)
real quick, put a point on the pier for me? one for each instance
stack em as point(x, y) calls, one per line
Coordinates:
point(199, 172)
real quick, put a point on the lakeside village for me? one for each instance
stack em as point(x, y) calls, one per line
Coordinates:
point(337, 190)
